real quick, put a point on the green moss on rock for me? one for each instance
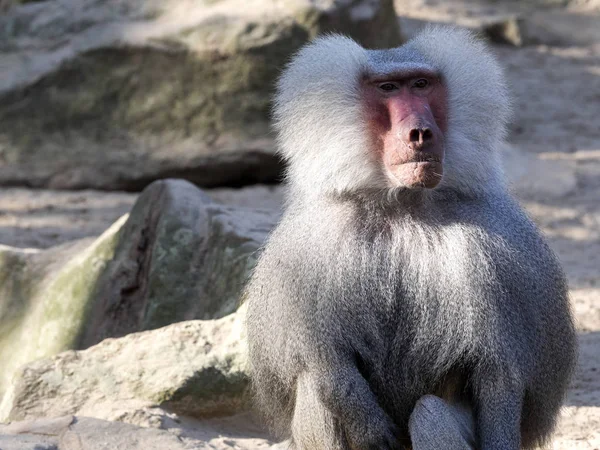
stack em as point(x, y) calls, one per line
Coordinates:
point(45, 298)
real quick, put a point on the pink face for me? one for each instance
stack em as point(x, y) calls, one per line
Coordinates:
point(407, 118)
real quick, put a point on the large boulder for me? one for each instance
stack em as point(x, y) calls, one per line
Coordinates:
point(178, 256)
point(113, 95)
point(193, 368)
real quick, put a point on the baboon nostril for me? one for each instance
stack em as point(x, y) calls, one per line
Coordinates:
point(414, 135)
point(420, 135)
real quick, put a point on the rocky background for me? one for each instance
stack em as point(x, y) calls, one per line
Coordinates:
point(119, 319)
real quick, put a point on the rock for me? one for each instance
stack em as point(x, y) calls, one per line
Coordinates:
point(194, 368)
point(517, 24)
point(562, 28)
point(177, 256)
point(27, 442)
point(46, 426)
point(6, 4)
point(590, 5)
point(113, 95)
point(45, 297)
point(93, 434)
point(506, 30)
point(41, 434)
point(542, 27)
point(84, 433)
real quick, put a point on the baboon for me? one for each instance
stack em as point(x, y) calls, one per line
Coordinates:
point(403, 274)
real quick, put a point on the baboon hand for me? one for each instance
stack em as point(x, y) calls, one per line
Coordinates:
point(378, 434)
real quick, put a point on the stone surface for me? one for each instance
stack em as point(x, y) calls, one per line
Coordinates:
point(41, 434)
point(180, 256)
point(84, 433)
point(177, 256)
point(45, 296)
point(113, 95)
point(505, 30)
point(195, 368)
point(255, 197)
point(27, 442)
point(555, 27)
point(93, 434)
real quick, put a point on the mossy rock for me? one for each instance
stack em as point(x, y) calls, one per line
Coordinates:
point(177, 256)
point(45, 298)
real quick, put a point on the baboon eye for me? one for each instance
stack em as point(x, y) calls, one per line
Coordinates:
point(388, 87)
point(420, 83)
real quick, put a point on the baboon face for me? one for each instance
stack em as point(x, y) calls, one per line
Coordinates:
point(406, 112)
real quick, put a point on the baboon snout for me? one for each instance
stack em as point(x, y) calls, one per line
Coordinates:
point(414, 156)
point(419, 133)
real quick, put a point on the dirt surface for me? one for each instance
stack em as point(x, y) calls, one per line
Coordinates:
point(556, 128)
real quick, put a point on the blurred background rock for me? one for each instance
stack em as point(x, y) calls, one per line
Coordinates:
point(118, 310)
point(115, 94)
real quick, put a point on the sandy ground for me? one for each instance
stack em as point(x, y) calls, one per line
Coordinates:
point(557, 129)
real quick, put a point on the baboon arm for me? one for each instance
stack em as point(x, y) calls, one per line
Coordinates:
point(498, 397)
point(345, 392)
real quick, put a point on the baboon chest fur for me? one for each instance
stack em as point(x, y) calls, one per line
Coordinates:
point(418, 301)
point(434, 290)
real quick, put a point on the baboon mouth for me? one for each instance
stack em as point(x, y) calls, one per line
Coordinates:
point(417, 159)
point(420, 158)
point(424, 172)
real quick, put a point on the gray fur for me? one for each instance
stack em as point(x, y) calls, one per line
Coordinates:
point(367, 298)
